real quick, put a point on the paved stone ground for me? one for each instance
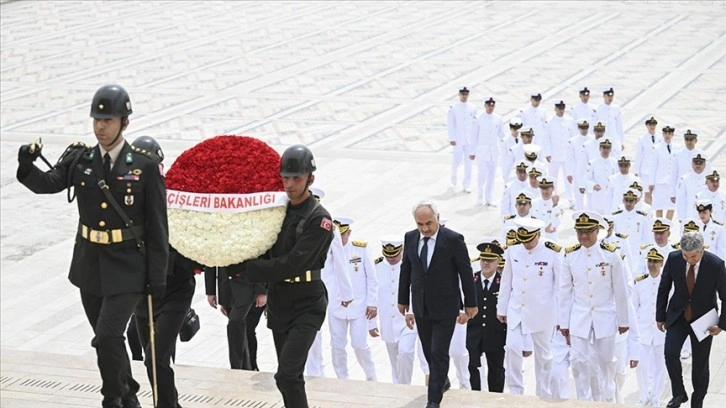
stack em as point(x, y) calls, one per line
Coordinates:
point(365, 84)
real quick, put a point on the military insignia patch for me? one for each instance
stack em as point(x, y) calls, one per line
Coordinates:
point(129, 200)
point(326, 224)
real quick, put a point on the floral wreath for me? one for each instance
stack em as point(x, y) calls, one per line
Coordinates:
point(225, 200)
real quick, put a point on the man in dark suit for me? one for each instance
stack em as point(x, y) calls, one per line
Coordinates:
point(484, 332)
point(121, 247)
point(696, 276)
point(435, 261)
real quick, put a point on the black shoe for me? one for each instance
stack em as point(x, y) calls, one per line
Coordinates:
point(676, 401)
point(433, 405)
point(131, 402)
point(112, 403)
point(447, 386)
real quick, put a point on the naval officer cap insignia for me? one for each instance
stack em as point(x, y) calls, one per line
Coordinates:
point(531, 150)
point(713, 176)
point(527, 228)
point(631, 195)
point(690, 225)
point(527, 132)
point(624, 160)
point(534, 172)
point(599, 127)
point(689, 135)
point(537, 96)
point(654, 255)
point(464, 90)
point(318, 193)
point(636, 186)
point(588, 220)
point(515, 123)
point(489, 100)
point(560, 104)
point(699, 159)
point(523, 198)
point(489, 250)
point(651, 121)
point(704, 205)
point(392, 246)
point(584, 90)
point(522, 166)
point(343, 223)
point(662, 224)
point(583, 124)
point(669, 129)
point(609, 91)
point(606, 144)
point(544, 182)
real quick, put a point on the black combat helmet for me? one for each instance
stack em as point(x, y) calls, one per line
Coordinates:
point(149, 144)
point(296, 161)
point(110, 101)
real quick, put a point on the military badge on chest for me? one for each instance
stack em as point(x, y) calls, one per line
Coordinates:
point(129, 200)
point(541, 267)
point(602, 266)
point(355, 261)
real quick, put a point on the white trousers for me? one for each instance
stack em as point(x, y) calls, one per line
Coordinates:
point(651, 374)
point(560, 380)
point(513, 359)
point(557, 173)
point(358, 328)
point(485, 180)
point(622, 364)
point(314, 365)
point(603, 350)
point(401, 355)
point(459, 155)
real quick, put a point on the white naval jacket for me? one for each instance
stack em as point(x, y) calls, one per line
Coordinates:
point(663, 165)
point(528, 284)
point(645, 293)
point(486, 134)
point(363, 278)
point(335, 272)
point(390, 322)
point(460, 121)
point(718, 200)
point(593, 291)
point(558, 132)
point(643, 150)
point(687, 193)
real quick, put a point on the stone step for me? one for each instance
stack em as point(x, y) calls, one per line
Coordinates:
point(36, 379)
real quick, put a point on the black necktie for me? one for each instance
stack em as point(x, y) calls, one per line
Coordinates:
point(425, 254)
point(516, 140)
point(652, 138)
point(106, 167)
point(669, 148)
point(486, 285)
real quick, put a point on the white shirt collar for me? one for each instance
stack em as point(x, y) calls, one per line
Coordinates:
point(113, 152)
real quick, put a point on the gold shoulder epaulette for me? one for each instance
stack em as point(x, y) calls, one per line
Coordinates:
point(142, 152)
point(606, 246)
point(621, 235)
point(645, 246)
point(572, 248)
point(640, 277)
point(509, 217)
point(378, 260)
point(551, 245)
point(677, 245)
point(617, 212)
point(361, 244)
point(642, 212)
point(716, 222)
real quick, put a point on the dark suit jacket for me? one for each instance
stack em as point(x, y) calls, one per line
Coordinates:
point(485, 324)
point(711, 279)
point(138, 187)
point(436, 292)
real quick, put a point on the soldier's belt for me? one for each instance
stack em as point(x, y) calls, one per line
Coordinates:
point(108, 237)
point(308, 276)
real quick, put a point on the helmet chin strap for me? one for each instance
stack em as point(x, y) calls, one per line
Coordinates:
point(121, 129)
